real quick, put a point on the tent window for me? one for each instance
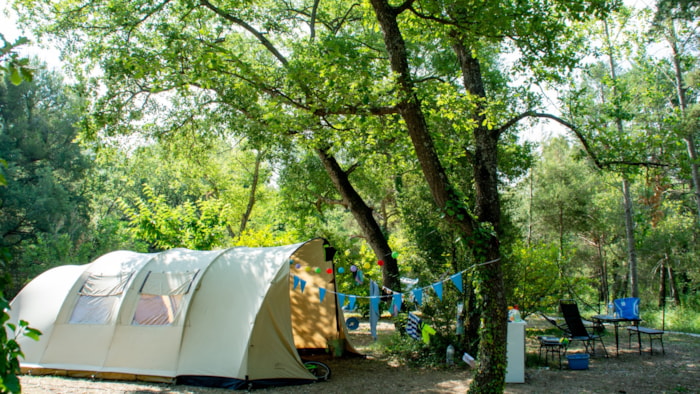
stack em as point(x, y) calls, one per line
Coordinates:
point(161, 296)
point(97, 298)
point(155, 310)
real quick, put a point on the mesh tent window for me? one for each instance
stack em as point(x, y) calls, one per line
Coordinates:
point(98, 297)
point(160, 297)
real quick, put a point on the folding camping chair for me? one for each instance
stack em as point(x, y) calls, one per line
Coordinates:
point(577, 331)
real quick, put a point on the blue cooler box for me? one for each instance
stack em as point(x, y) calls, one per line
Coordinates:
point(578, 361)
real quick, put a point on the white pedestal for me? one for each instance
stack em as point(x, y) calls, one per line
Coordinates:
point(515, 353)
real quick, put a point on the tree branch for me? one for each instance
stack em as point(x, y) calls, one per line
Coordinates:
point(312, 22)
point(263, 40)
point(357, 110)
point(579, 135)
point(407, 5)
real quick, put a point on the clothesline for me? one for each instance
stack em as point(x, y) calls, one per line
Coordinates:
point(397, 297)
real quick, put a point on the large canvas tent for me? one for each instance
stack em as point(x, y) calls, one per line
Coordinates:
point(235, 318)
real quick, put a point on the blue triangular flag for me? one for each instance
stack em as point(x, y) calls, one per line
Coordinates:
point(352, 299)
point(418, 296)
point(296, 282)
point(457, 280)
point(398, 300)
point(321, 293)
point(303, 284)
point(438, 289)
point(341, 299)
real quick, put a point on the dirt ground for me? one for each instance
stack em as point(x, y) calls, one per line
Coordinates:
point(677, 371)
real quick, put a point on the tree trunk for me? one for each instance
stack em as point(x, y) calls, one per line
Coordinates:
point(662, 284)
point(492, 349)
point(688, 136)
point(473, 321)
point(631, 248)
point(365, 219)
point(605, 294)
point(490, 376)
point(617, 280)
point(674, 288)
point(561, 231)
point(629, 220)
point(251, 197)
point(529, 207)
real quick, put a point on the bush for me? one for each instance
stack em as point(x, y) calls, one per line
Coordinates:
point(415, 352)
point(10, 350)
point(682, 319)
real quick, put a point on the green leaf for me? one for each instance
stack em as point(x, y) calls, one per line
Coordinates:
point(32, 333)
point(15, 76)
point(11, 384)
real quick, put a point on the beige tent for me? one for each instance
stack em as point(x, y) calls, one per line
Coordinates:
point(235, 317)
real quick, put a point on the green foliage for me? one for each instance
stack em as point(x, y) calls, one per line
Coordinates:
point(685, 318)
point(199, 225)
point(269, 235)
point(16, 68)
point(414, 352)
point(46, 169)
point(3, 165)
point(534, 278)
point(10, 351)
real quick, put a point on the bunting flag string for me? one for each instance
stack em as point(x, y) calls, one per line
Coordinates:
point(457, 280)
point(397, 298)
point(353, 300)
point(437, 286)
point(418, 296)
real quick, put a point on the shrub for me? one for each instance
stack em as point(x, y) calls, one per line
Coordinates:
point(9, 348)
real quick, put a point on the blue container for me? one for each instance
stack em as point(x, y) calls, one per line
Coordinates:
point(578, 361)
point(627, 308)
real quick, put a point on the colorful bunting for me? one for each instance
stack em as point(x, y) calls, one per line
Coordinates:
point(397, 301)
point(418, 296)
point(457, 280)
point(397, 298)
point(438, 289)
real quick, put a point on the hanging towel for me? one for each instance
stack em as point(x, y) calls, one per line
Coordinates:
point(413, 326)
point(373, 308)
